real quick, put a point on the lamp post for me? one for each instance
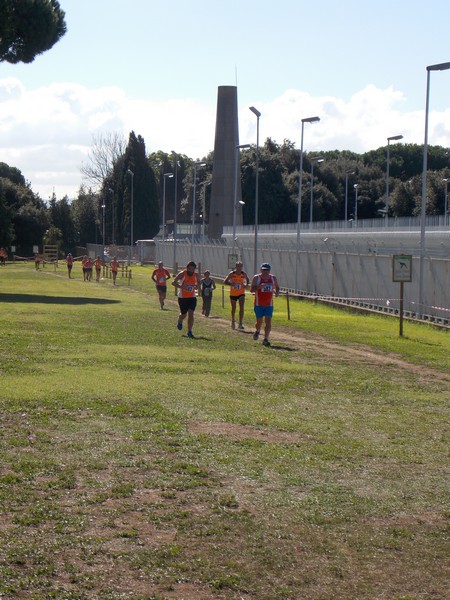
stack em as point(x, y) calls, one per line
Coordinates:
point(446, 180)
point(356, 185)
point(204, 184)
point(439, 67)
point(103, 229)
point(255, 259)
point(196, 164)
point(314, 159)
point(300, 180)
point(236, 179)
point(347, 173)
point(165, 175)
point(175, 168)
point(113, 238)
point(130, 172)
point(389, 139)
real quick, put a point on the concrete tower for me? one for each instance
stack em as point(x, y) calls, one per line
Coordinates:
point(224, 165)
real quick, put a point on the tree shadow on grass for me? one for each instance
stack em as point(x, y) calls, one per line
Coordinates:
point(39, 299)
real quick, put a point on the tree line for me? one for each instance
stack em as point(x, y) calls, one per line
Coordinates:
point(123, 179)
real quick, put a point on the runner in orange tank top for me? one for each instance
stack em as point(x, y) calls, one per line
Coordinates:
point(187, 283)
point(238, 281)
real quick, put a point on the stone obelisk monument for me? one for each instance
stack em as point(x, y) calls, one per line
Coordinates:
point(226, 167)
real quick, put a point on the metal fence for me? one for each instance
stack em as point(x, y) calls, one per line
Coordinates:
point(352, 277)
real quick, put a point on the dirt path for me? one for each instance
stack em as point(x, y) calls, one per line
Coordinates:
point(296, 340)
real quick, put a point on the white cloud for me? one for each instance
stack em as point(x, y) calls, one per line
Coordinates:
point(47, 132)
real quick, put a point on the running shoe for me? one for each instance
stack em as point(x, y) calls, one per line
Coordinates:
point(266, 342)
point(190, 334)
point(233, 324)
point(179, 325)
point(241, 326)
point(256, 335)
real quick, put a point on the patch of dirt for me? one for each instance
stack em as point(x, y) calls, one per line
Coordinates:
point(242, 432)
point(296, 341)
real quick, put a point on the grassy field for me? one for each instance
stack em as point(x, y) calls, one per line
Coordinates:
point(138, 463)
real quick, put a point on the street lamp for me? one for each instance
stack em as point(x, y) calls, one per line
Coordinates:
point(356, 185)
point(255, 259)
point(196, 164)
point(300, 180)
point(165, 175)
point(318, 160)
point(447, 179)
point(236, 203)
point(204, 184)
point(175, 168)
point(103, 228)
point(389, 139)
point(130, 172)
point(113, 239)
point(439, 67)
point(347, 173)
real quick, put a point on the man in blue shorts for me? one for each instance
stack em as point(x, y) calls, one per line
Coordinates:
point(264, 286)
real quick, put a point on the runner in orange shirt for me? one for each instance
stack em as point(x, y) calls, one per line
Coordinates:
point(114, 266)
point(88, 268)
point(37, 260)
point(187, 283)
point(264, 286)
point(160, 276)
point(69, 263)
point(98, 264)
point(238, 280)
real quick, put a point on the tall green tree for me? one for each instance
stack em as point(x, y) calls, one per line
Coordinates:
point(29, 28)
point(84, 211)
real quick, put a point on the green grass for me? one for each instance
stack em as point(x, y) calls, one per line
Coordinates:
point(138, 463)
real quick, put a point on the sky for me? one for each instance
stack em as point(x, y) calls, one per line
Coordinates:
point(154, 68)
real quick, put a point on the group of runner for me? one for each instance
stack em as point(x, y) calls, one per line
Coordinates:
point(189, 285)
point(88, 265)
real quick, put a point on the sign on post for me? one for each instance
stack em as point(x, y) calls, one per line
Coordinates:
point(402, 268)
point(232, 259)
point(401, 272)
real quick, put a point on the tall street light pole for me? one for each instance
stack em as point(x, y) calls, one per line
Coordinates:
point(347, 173)
point(204, 184)
point(130, 172)
point(113, 236)
point(318, 160)
point(196, 164)
point(299, 204)
point(446, 180)
point(175, 168)
point(236, 179)
point(356, 204)
point(255, 258)
point(165, 176)
point(439, 67)
point(389, 139)
point(103, 228)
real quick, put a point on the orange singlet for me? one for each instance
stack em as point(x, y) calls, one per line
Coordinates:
point(238, 283)
point(189, 282)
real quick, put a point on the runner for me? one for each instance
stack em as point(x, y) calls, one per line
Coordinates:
point(264, 286)
point(114, 266)
point(160, 277)
point(207, 286)
point(187, 283)
point(88, 268)
point(69, 262)
point(238, 280)
point(98, 264)
point(37, 260)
